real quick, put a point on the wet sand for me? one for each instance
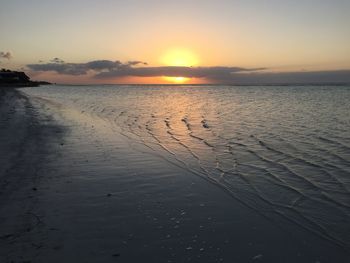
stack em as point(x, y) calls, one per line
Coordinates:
point(26, 140)
point(75, 190)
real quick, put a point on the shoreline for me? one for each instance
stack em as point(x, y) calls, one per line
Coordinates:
point(24, 144)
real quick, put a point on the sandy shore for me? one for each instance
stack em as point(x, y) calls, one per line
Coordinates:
point(24, 147)
point(73, 190)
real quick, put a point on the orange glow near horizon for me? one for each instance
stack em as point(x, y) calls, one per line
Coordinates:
point(180, 58)
point(68, 79)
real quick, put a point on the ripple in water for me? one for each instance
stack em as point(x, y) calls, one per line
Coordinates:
point(282, 151)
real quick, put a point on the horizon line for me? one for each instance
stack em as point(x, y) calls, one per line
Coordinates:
point(206, 84)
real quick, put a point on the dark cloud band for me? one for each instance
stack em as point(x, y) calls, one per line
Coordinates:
point(107, 69)
point(112, 69)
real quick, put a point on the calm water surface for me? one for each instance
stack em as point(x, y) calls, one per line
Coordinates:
point(282, 151)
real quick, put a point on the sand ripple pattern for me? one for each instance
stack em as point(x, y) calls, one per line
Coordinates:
point(282, 151)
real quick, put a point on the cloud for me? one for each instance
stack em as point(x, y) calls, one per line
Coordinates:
point(60, 68)
point(300, 77)
point(112, 69)
point(7, 55)
point(57, 60)
point(136, 62)
point(107, 69)
point(171, 71)
point(99, 65)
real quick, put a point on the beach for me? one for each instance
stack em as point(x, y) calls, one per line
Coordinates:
point(25, 138)
point(99, 174)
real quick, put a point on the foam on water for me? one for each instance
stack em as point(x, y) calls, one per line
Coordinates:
point(282, 151)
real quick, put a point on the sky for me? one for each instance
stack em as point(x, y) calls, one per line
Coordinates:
point(198, 41)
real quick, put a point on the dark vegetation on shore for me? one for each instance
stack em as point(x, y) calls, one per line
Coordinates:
point(10, 78)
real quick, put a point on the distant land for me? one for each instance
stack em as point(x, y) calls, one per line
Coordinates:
point(9, 78)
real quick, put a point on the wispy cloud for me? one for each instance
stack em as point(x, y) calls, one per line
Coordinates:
point(6, 55)
point(107, 69)
point(57, 60)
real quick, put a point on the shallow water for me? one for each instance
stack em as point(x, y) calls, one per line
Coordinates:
point(282, 151)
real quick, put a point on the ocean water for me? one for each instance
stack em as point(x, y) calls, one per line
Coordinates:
point(282, 151)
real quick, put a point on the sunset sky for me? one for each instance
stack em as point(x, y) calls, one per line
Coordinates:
point(109, 41)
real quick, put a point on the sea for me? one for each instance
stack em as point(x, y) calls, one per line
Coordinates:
point(283, 152)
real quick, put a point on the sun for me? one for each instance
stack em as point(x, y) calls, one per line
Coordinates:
point(180, 58)
point(178, 80)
